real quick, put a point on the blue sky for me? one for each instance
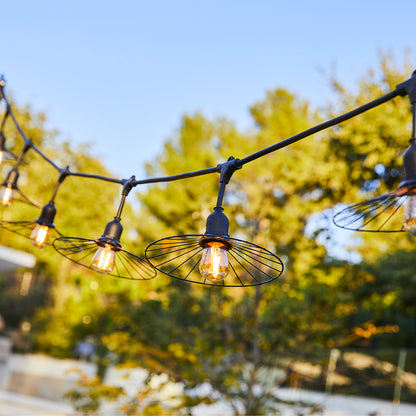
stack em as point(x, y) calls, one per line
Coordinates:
point(121, 74)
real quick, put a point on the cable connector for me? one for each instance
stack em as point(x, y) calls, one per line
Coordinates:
point(128, 185)
point(63, 174)
point(408, 88)
point(228, 168)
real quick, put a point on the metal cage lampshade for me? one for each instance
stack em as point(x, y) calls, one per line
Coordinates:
point(391, 212)
point(214, 258)
point(105, 254)
point(11, 192)
point(41, 232)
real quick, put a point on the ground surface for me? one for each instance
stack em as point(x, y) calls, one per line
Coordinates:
point(12, 404)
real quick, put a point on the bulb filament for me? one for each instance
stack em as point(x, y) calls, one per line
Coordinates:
point(104, 259)
point(39, 235)
point(214, 263)
point(6, 195)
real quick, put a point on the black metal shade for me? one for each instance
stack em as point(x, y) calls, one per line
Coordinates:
point(380, 214)
point(383, 213)
point(25, 228)
point(6, 156)
point(82, 250)
point(180, 256)
point(18, 195)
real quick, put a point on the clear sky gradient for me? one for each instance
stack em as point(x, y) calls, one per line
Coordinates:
point(121, 74)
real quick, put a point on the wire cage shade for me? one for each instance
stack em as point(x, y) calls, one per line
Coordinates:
point(6, 156)
point(25, 229)
point(82, 250)
point(381, 214)
point(180, 257)
point(20, 196)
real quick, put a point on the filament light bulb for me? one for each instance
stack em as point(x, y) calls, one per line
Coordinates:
point(104, 259)
point(39, 235)
point(409, 221)
point(6, 195)
point(1, 156)
point(214, 264)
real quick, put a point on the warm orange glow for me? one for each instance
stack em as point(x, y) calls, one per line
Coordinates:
point(6, 195)
point(39, 235)
point(104, 259)
point(214, 264)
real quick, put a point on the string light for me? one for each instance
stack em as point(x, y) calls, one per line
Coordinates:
point(42, 231)
point(214, 257)
point(105, 254)
point(10, 191)
point(394, 211)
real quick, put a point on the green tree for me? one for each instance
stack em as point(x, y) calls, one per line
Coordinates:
point(271, 202)
point(199, 335)
point(242, 342)
point(64, 299)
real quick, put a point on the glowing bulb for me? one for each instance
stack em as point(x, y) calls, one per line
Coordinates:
point(104, 259)
point(6, 195)
point(409, 221)
point(39, 235)
point(214, 264)
point(1, 156)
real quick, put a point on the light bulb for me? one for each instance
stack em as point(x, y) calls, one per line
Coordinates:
point(1, 156)
point(409, 221)
point(104, 259)
point(39, 235)
point(214, 264)
point(6, 195)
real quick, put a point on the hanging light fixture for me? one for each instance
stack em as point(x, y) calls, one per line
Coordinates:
point(10, 191)
point(105, 254)
point(42, 231)
point(394, 211)
point(215, 258)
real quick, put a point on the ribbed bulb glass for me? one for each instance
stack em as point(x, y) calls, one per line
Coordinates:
point(6, 195)
point(214, 264)
point(104, 259)
point(409, 221)
point(39, 235)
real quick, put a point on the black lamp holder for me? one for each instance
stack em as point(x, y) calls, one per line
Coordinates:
point(217, 222)
point(409, 157)
point(113, 229)
point(11, 179)
point(49, 211)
